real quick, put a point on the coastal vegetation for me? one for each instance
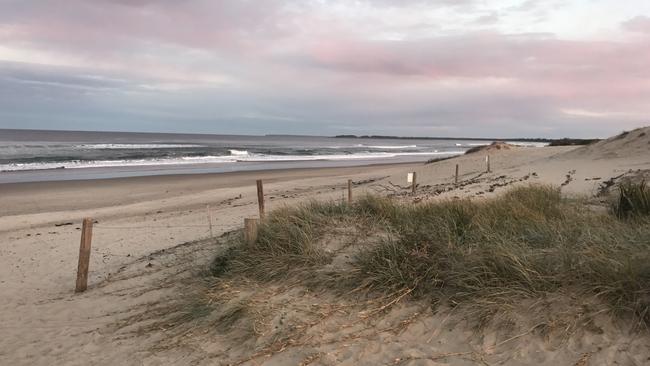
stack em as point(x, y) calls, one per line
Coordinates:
point(633, 200)
point(483, 255)
point(572, 142)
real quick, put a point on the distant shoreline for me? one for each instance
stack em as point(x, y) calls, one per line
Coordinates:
point(565, 141)
point(383, 137)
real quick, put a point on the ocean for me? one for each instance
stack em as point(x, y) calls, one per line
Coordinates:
point(36, 155)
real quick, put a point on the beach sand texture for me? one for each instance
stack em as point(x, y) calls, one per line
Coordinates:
point(146, 245)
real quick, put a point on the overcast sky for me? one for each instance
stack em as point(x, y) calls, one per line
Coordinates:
point(506, 68)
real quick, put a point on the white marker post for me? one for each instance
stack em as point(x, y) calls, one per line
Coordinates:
point(411, 178)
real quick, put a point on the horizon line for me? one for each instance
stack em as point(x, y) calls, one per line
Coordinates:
point(351, 136)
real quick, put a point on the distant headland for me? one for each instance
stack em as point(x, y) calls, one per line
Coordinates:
point(553, 142)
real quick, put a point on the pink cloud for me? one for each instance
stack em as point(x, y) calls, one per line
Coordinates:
point(485, 55)
point(286, 58)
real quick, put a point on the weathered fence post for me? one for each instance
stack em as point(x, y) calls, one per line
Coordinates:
point(84, 255)
point(250, 230)
point(487, 162)
point(415, 184)
point(349, 191)
point(207, 207)
point(260, 197)
point(456, 177)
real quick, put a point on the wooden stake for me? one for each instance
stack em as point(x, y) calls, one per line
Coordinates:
point(349, 191)
point(415, 184)
point(250, 230)
point(487, 162)
point(207, 207)
point(84, 255)
point(260, 197)
point(456, 179)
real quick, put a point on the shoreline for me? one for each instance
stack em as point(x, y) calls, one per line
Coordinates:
point(180, 176)
point(103, 173)
point(56, 196)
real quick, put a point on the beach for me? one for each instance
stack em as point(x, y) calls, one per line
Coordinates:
point(324, 183)
point(32, 211)
point(143, 224)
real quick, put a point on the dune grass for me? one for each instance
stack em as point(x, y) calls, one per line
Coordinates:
point(526, 243)
point(287, 242)
point(633, 200)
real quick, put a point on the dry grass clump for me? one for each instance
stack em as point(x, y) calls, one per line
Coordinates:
point(527, 243)
point(286, 244)
point(523, 244)
point(633, 200)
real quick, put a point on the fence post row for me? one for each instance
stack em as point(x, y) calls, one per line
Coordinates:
point(84, 255)
point(250, 229)
point(260, 197)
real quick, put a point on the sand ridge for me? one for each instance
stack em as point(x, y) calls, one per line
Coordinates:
point(626, 145)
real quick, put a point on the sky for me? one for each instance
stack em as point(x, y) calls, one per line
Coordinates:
point(471, 68)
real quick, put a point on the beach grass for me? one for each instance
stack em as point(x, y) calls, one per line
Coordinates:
point(527, 243)
point(633, 200)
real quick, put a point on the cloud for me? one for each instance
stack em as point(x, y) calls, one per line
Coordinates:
point(486, 55)
point(435, 3)
point(38, 75)
point(638, 24)
point(487, 19)
point(372, 66)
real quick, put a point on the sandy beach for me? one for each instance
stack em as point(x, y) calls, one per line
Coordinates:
point(139, 257)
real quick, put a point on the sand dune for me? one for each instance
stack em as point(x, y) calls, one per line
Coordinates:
point(627, 145)
point(495, 146)
point(587, 170)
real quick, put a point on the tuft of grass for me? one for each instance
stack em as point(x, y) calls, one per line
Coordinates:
point(286, 243)
point(633, 200)
point(622, 135)
point(524, 244)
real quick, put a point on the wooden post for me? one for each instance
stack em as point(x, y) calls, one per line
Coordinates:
point(84, 255)
point(349, 191)
point(250, 230)
point(415, 184)
point(487, 162)
point(207, 207)
point(456, 178)
point(260, 197)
